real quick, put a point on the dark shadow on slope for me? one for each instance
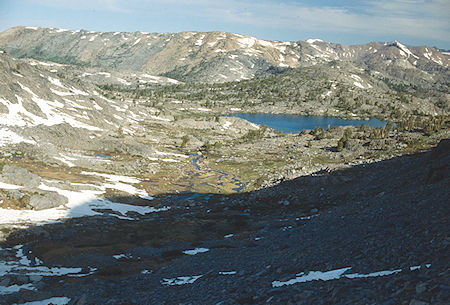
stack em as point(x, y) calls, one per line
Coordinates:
point(414, 185)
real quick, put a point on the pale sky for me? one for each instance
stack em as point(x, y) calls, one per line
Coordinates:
point(413, 22)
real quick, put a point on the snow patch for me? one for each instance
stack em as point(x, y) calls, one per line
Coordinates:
point(246, 42)
point(159, 118)
point(199, 42)
point(313, 40)
point(121, 80)
point(51, 301)
point(327, 94)
point(25, 265)
point(36, 62)
point(119, 256)
point(336, 274)
point(60, 93)
point(79, 92)
point(114, 178)
point(15, 288)
point(181, 280)
point(23, 259)
point(66, 160)
point(357, 84)
point(313, 276)
point(9, 137)
point(227, 124)
point(137, 41)
point(227, 272)
point(19, 116)
point(265, 43)
point(106, 74)
point(195, 251)
point(171, 154)
point(8, 186)
point(404, 50)
point(82, 203)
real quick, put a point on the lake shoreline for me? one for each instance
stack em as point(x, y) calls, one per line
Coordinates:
point(293, 123)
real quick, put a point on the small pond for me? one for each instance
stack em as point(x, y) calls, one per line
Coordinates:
point(296, 123)
point(99, 155)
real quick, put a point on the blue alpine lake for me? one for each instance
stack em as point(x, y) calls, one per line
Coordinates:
point(296, 123)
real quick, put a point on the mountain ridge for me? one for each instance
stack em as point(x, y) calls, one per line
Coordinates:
point(205, 56)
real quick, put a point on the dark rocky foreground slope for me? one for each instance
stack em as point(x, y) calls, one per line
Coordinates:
point(386, 223)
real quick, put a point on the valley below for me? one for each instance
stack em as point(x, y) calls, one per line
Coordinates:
point(118, 186)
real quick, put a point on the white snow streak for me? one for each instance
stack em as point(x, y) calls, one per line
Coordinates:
point(247, 42)
point(195, 251)
point(181, 280)
point(9, 137)
point(51, 301)
point(227, 272)
point(56, 82)
point(136, 42)
point(8, 186)
point(121, 80)
point(313, 40)
point(336, 274)
point(15, 288)
point(406, 52)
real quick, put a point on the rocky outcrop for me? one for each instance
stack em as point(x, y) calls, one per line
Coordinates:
point(19, 176)
point(46, 200)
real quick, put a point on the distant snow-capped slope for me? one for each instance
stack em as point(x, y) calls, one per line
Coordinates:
point(34, 101)
point(207, 57)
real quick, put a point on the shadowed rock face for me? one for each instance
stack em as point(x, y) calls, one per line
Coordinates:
point(209, 56)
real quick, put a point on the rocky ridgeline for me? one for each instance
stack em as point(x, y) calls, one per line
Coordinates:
point(210, 56)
